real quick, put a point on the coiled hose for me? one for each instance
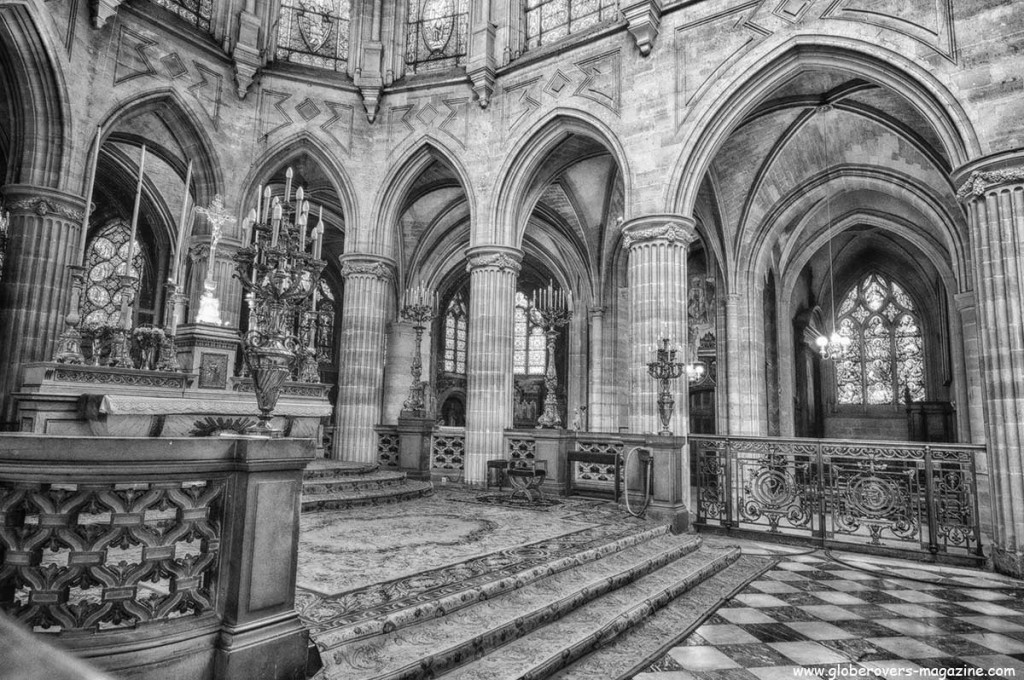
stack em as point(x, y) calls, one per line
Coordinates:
point(646, 460)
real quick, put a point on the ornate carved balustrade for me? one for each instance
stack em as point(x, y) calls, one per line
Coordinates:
point(448, 450)
point(886, 497)
point(160, 558)
point(388, 447)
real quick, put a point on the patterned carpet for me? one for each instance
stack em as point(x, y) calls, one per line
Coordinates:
point(856, 615)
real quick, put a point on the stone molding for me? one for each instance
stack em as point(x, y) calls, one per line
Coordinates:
point(643, 23)
point(494, 257)
point(43, 202)
point(980, 182)
point(366, 265)
point(664, 228)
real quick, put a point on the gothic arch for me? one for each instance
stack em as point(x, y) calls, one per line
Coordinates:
point(188, 131)
point(518, 192)
point(714, 119)
point(41, 122)
point(392, 198)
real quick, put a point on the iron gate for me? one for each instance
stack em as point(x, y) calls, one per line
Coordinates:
point(874, 496)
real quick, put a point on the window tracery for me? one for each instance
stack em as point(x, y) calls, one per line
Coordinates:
point(550, 20)
point(436, 35)
point(106, 264)
point(886, 352)
point(455, 327)
point(196, 12)
point(314, 33)
point(529, 354)
point(325, 328)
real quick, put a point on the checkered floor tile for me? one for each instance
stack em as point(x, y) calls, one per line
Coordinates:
point(811, 611)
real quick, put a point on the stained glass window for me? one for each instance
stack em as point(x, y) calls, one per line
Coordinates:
point(455, 335)
point(325, 329)
point(314, 33)
point(551, 20)
point(195, 12)
point(529, 352)
point(5, 218)
point(436, 35)
point(106, 262)
point(886, 352)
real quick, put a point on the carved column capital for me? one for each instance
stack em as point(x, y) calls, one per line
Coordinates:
point(980, 176)
point(668, 229)
point(643, 22)
point(502, 258)
point(367, 266)
point(24, 199)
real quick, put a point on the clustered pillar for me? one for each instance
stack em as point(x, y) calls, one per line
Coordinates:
point(657, 246)
point(368, 294)
point(43, 240)
point(994, 196)
point(494, 271)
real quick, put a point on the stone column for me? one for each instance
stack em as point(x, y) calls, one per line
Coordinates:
point(657, 246)
point(43, 240)
point(368, 296)
point(967, 308)
point(744, 388)
point(493, 272)
point(994, 196)
point(598, 410)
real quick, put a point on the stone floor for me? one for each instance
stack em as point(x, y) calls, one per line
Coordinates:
point(843, 615)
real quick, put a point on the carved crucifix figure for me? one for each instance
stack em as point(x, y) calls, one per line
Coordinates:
point(209, 305)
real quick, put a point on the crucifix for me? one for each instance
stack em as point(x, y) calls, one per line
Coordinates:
point(209, 305)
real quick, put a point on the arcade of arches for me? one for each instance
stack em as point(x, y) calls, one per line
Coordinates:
point(737, 177)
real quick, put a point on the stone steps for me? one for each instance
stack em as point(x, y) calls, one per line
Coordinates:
point(599, 589)
point(338, 485)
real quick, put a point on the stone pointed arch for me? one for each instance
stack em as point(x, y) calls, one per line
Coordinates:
point(40, 107)
point(513, 201)
point(717, 114)
point(288, 150)
point(383, 237)
point(187, 129)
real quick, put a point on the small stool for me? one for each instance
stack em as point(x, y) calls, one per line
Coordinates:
point(497, 473)
point(526, 481)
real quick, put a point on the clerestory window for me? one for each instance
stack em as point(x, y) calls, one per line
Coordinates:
point(550, 20)
point(106, 263)
point(195, 12)
point(886, 352)
point(529, 354)
point(314, 33)
point(436, 35)
point(455, 326)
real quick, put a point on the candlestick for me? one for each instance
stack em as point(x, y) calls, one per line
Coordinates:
point(276, 222)
point(266, 204)
point(288, 185)
point(179, 242)
point(259, 201)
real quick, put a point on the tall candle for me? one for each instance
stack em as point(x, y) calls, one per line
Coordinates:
point(179, 243)
point(276, 221)
point(288, 185)
point(266, 205)
point(84, 235)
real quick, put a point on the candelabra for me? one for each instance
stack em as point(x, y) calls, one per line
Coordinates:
point(69, 344)
point(665, 368)
point(419, 307)
point(279, 267)
point(550, 311)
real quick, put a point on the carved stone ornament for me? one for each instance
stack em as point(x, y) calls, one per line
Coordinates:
point(377, 270)
point(980, 182)
point(1006, 562)
point(494, 261)
point(43, 207)
point(670, 231)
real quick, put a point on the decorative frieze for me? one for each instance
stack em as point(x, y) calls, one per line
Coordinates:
point(655, 229)
point(43, 207)
point(294, 389)
point(371, 266)
point(501, 260)
point(99, 375)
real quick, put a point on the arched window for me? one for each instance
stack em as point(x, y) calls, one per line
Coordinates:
point(314, 33)
point(886, 352)
point(195, 12)
point(530, 352)
point(551, 20)
point(455, 336)
point(436, 35)
point(106, 263)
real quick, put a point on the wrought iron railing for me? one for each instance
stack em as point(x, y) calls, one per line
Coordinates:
point(874, 496)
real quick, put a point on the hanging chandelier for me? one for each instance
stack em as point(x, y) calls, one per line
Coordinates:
point(832, 346)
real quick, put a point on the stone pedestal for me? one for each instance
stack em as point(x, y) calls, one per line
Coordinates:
point(657, 247)
point(368, 297)
point(43, 241)
point(414, 445)
point(992, 189)
point(494, 271)
point(671, 500)
point(211, 352)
